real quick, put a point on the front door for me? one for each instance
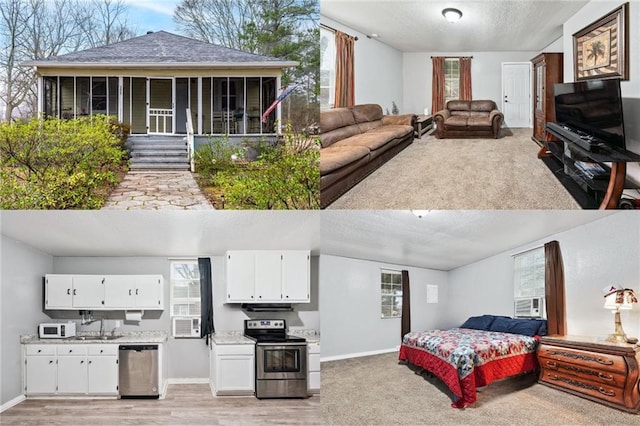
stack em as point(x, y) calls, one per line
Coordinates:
point(160, 105)
point(516, 94)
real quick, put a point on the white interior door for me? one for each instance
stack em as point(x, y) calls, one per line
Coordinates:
point(516, 94)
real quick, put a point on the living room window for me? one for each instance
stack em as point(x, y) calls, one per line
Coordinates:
point(327, 68)
point(451, 79)
point(391, 293)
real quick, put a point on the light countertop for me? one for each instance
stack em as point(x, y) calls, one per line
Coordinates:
point(125, 337)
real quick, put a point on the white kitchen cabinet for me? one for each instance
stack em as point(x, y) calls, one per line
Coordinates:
point(88, 291)
point(261, 276)
point(71, 369)
point(296, 282)
point(232, 369)
point(268, 276)
point(102, 369)
point(313, 362)
point(134, 292)
point(40, 370)
point(58, 291)
point(104, 292)
point(240, 276)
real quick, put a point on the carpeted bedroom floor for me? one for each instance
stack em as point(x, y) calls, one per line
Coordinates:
point(448, 174)
point(377, 390)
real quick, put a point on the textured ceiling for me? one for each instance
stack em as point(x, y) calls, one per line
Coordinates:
point(441, 239)
point(111, 233)
point(487, 25)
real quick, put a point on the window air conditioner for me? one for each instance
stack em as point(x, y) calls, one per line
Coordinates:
point(529, 307)
point(186, 327)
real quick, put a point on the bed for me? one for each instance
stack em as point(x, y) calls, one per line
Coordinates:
point(484, 349)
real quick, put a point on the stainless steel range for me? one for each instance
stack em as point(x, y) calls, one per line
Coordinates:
point(281, 360)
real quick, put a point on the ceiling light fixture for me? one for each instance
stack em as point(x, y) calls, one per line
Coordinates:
point(420, 213)
point(451, 14)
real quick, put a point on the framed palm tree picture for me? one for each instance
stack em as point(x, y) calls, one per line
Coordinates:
point(601, 50)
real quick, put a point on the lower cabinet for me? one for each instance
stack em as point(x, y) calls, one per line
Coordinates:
point(314, 367)
point(71, 369)
point(232, 369)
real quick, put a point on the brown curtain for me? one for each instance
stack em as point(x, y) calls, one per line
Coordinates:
point(465, 79)
point(345, 93)
point(437, 84)
point(406, 305)
point(554, 289)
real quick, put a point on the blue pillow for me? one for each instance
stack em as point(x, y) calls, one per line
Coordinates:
point(478, 323)
point(542, 331)
point(526, 327)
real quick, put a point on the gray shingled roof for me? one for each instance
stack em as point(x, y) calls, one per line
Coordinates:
point(161, 48)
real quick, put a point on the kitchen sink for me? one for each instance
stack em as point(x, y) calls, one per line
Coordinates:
point(97, 337)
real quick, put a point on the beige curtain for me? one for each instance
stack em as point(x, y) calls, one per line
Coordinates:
point(345, 92)
point(437, 84)
point(465, 79)
point(406, 305)
point(554, 289)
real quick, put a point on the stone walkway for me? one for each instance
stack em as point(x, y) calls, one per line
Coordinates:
point(171, 190)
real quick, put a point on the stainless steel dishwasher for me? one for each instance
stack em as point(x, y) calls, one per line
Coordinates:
point(138, 371)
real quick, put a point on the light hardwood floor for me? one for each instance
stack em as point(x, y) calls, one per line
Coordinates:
point(184, 405)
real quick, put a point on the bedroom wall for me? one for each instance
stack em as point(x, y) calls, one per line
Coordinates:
point(350, 302)
point(630, 89)
point(187, 358)
point(595, 255)
point(20, 308)
point(486, 75)
point(378, 70)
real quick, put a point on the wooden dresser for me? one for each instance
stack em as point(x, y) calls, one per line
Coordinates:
point(592, 368)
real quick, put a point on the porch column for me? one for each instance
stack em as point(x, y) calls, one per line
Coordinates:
point(120, 99)
point(279, 107)
point(199, 105)
point(40, 89)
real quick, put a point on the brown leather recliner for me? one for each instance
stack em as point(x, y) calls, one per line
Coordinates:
point(467, 119)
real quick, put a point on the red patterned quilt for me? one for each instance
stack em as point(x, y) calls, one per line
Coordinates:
point(465, 359)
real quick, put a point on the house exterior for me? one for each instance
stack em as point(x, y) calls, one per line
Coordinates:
point(152, 82)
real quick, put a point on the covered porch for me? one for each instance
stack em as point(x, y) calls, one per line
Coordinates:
point(158, 102)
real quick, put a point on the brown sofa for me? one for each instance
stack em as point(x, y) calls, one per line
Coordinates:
point(462, 119)
point(354, 142)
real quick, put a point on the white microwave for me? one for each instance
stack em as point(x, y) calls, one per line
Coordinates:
point(52, 330)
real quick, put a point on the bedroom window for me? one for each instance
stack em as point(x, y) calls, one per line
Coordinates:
point(451, 79)
point(391, 293)
point(528, 283)
point(185, 289)
point(327, 68)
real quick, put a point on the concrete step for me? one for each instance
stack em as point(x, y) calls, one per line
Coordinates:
point(159, 153)
point(173, 159)
point(159, 166)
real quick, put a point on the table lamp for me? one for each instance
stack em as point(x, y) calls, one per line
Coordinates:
point(617, 300)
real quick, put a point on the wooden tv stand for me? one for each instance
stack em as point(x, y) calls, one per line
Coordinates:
point(570, 152)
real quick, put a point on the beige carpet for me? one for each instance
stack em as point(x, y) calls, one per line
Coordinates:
point(376, 390)
point(452, 174)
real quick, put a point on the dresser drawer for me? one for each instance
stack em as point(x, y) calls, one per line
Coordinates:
point(599, 361)
point(584, 372)
point(584, 387)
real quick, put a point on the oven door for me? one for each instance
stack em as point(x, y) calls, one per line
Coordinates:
point(281, 361)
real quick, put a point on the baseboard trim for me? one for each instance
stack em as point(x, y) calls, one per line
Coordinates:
point(15, 401)
point(359, 354)
point(188, 381)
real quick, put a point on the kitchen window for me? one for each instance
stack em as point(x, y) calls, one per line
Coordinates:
point(185, 289)
point(391, 294)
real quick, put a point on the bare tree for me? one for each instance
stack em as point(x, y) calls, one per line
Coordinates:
point(104, 22)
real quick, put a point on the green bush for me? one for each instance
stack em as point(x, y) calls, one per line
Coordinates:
point(60, 164)
point(281, 178)
point(216, 156)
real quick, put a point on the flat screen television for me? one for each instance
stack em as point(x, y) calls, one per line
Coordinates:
point(593, 107)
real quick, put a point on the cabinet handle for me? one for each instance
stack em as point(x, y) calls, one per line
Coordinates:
point(74, 291)
point(607, 377)
point(89, 362)
point(287, 297)
point(604, 361)
point(39, 350)
point(606, 392)
point(260, 297)
point(103, 280)
point(136, 291)
point(252, 297)
point(101, 351)
point(129, 292)
point(68, 292)
point(551, 364)
point(50, 362)
point(70, 350)
point(553, 377)
point(82, 362)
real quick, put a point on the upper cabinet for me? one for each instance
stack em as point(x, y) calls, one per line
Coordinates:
point(104, 292)
point(273, 276)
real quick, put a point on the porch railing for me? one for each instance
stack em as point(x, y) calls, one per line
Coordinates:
point(190, 142)
point(160, 120)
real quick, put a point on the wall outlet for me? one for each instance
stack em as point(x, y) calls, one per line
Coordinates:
point(117, 323)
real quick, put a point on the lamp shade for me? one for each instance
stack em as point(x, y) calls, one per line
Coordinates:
point(621, 299)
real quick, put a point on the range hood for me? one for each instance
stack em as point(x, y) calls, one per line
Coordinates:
point(267, 307)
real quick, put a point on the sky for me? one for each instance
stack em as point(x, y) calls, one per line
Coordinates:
point(151, 15)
